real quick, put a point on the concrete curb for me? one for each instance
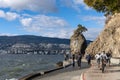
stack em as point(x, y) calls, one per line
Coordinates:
point(33, 75)
point(82, 77)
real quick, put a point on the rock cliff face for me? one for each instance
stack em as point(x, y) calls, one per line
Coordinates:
point(78, 44)
point(109, 38)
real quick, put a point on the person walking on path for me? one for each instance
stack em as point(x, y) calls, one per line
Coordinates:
point(79, 57)
point(103, 54)
point(108, 57)
point(66, 55)
point(88, 58)
point(97, 57)
point(73, 60)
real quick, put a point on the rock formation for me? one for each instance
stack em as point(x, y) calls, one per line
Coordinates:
point(78, 43)
point(109, 38)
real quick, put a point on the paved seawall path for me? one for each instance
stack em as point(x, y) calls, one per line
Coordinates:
point(94, 73)
point(84, 73)
point(68, 73)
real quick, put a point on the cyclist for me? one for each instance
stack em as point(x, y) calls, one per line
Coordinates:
point(97, 56)
point(103, 61)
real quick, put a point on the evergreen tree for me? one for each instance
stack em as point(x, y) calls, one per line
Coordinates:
point(80, 29)
point(109, 7)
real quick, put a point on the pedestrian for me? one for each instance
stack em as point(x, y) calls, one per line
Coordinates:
point(88, 58)
point(97, 56)
point(109, 57)
point(66, 55)
point(103, 56)
point(73, 59)
point(79, 57)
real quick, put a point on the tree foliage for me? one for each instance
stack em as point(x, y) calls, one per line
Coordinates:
point(105, 6)
point(80, 29)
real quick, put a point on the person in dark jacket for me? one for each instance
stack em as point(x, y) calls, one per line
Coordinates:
point(88, 58)
point(73, 59)
point(108, 58)
point(79, 57)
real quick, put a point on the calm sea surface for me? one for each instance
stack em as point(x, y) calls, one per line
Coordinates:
point(14, 66)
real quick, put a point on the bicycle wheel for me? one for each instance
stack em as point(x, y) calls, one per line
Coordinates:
point(103, 68)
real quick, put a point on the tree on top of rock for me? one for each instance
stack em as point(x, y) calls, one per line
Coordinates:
point(80, 30)
point(106, 6)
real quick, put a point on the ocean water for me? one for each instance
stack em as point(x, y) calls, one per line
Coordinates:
point(15, 66)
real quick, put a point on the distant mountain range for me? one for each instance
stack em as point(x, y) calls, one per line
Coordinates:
point(30, 42)
point(25, 39)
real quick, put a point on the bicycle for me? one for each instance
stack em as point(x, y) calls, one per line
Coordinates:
point(103, 65)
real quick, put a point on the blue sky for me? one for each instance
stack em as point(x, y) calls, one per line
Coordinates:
point(50, 18)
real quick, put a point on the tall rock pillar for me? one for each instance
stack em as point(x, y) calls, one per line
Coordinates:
point(78, 42)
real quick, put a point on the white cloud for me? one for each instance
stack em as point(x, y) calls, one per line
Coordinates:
point(88, 18)
point(97, 19)
point(2, 14)
point(47, 26)
point(8, 15)
point(33, 5)
point(93, 33)
point(26, 21)
point(59, 33)
point(81, 2)
point(76, 4)
point(11, 16)
point(62, 33)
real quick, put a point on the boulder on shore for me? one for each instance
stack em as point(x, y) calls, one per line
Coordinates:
point(59, 64)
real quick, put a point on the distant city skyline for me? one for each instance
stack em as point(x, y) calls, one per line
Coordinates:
point(49, 18)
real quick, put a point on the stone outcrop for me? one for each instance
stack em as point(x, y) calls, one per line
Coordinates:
point(109, 38)
point(78, 43)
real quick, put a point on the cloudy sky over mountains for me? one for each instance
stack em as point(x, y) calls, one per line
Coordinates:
point(51, 18)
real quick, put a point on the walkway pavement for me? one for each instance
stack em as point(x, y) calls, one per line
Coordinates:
point(68, 73)
point(94, 73)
